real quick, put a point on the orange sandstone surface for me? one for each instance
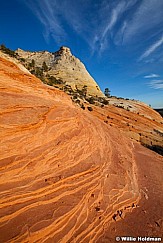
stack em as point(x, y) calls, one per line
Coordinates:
point(65, 175)
point(139, 122)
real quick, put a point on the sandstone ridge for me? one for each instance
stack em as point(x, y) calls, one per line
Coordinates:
point(63, 65)
point(66, 176)
point(137, 120)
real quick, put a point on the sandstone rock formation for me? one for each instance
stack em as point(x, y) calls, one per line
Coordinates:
point(135, 119)
point(66, 176)
point(63, 65)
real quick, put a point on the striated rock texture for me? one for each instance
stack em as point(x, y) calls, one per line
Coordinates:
point(63, 65)
point(66, 176)
point(135, 119)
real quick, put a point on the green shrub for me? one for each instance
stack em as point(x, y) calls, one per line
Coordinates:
point(82, 106)
point(105, 102)
point(107, 92)
point(91, 100)
point(53, 80)
point(6, 50)
point(44, 67)
point(90, 108)
point(22, 59)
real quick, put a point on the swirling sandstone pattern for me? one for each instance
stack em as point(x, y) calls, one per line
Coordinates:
point(65, 176)
point(135, 119)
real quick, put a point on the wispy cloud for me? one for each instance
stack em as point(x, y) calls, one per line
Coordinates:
point(152, 75)
point(152, 48)
point(47, 13)
point(140, 21)
point(110, 16)
point(95, 29)
point(54, 17)
point(118, 39)
point(100, 23)
point(156, 84)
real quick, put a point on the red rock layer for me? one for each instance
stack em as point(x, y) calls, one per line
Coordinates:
point(140, 122)
point(65, 176)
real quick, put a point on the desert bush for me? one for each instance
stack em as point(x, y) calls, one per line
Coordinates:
point(90, 108)
point(8, 51)
point(44, 67)
point(105, 102)
point(120, 106)
point(38, 72)
point(84, 90)
point(82, 106)
point(77, 101)
point(54, 80)
point(22, 59)
point(91, 100)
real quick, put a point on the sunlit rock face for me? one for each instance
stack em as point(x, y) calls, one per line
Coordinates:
point(65, 175)
point(135, 119)
point(63, 65)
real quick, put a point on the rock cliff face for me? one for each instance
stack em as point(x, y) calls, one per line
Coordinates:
point(63, 65)
point(65, 175)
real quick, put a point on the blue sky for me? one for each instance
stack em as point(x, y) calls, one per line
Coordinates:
point(119, 41)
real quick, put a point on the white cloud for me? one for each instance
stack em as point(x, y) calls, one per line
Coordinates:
point(152, 48)
point(96, 23)
point(47, 13)
point(92, 22)
point(152, 75)
point(156, 84)
point(53, 15)
point(146, 16)
point(110, 16)
point(120, 34)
